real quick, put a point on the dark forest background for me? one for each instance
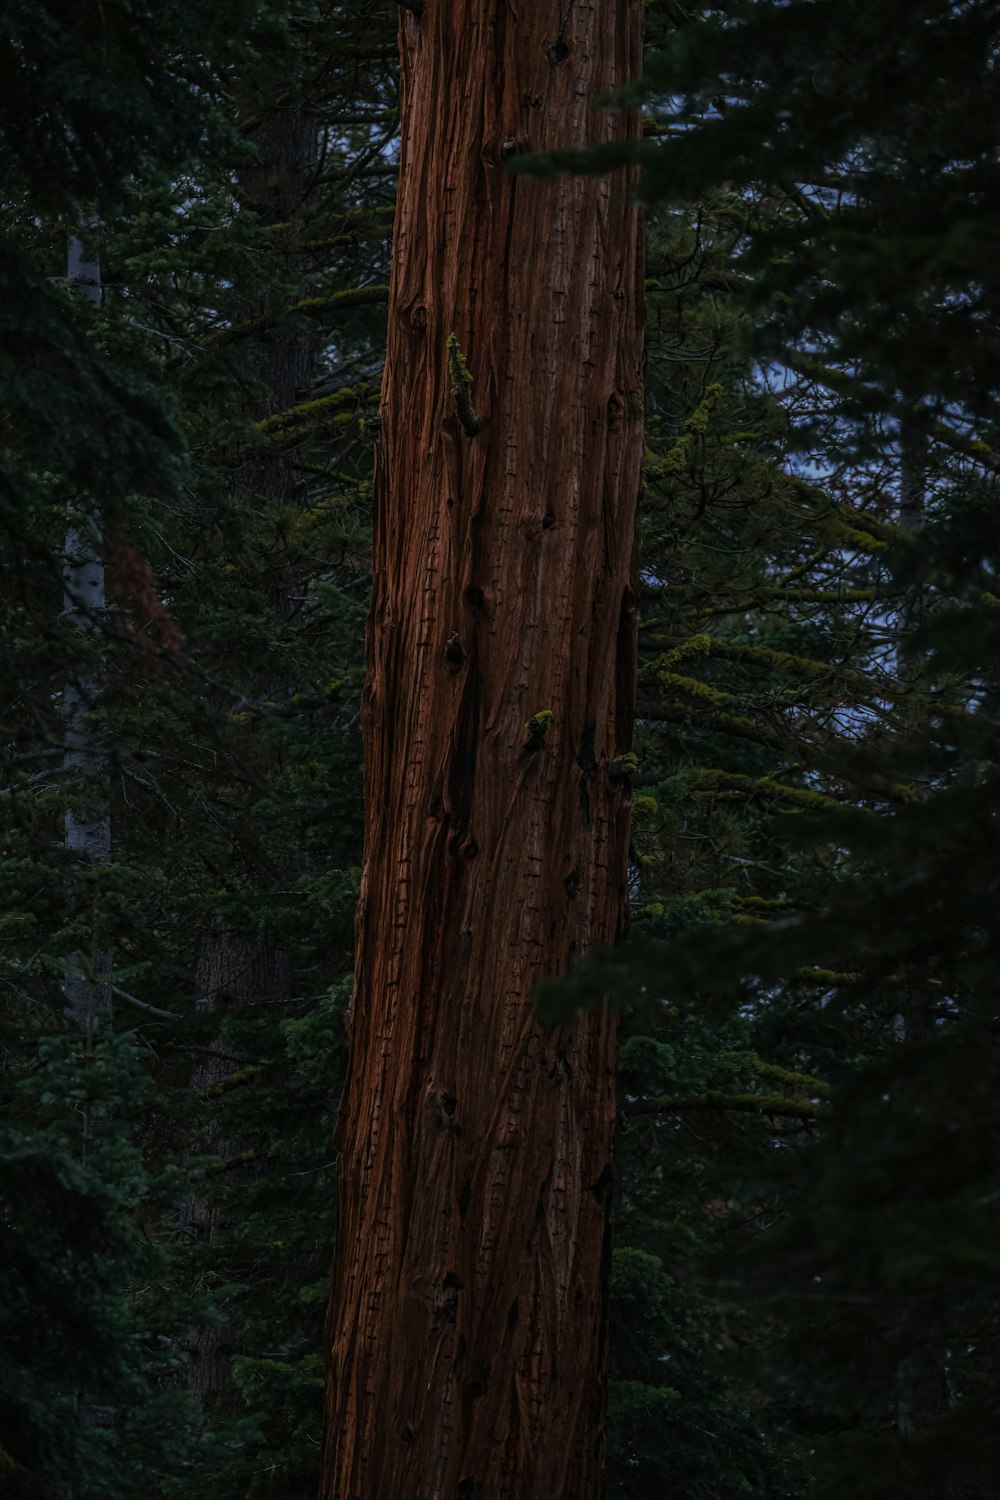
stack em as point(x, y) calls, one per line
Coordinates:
point(196, 212)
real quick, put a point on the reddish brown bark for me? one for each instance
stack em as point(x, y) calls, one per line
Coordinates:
point(468, 1314)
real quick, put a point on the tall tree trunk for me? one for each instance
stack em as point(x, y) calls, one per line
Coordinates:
point(468, 1315)
point(87, 827)
point(87, 823)
point(275, 186)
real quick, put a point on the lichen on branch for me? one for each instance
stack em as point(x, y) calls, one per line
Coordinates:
point(461, 387)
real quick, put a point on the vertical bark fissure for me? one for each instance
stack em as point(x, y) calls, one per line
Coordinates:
point(469, 1298)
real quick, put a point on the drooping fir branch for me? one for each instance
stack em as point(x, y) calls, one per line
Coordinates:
point(843, 383)
point(675, 712)
point(312, 307)
point(786, 662)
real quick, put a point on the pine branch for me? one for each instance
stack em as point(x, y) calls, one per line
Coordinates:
point(843, 384)
point(809, 208)
point(788, 1076)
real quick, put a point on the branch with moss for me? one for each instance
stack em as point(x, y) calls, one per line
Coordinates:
point(786, 662)
point(695, 717)
point(307, 411)
point(804, 1082)
point(237, 1080)
point(756, 788)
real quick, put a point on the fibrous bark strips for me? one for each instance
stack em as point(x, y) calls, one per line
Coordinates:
point(469, 1302)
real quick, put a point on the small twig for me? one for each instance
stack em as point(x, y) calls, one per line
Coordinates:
point(46, 775)
point(775, 1106)
point(143, 1005)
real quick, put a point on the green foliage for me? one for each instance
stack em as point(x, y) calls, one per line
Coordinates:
point(276, 1251)
point(90, 101)
point(805, 1284)
point(818, 717)
point(214, 409)
point(89, 1350)
point(860, 142)
point(95, 112)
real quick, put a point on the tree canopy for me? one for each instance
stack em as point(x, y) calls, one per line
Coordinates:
point(805, 1285)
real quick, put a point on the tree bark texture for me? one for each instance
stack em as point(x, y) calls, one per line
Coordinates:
point(469, 1303)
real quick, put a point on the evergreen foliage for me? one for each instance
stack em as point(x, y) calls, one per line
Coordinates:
point(805, 1288)
point(222, 695)
point(833, 713)
point(88, 1338)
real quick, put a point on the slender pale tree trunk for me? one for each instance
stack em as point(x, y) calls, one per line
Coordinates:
point(87, 827)
point(468, 1316)
point(87, 823)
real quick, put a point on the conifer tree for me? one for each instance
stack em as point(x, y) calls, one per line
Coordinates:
point(213, 780)
point(265, 568)
point(88, 422)
point(804, 1285)
point(469, 1298)
point(855, 140)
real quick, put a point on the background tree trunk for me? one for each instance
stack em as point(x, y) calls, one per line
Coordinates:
point(233, 970)
point(237, 967)
point(470, 1288)
point(87, 825)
